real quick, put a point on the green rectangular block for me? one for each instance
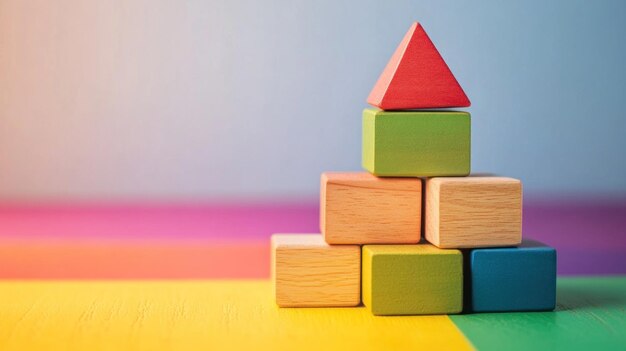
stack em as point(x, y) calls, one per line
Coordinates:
point(416, 143)
point(411, 279)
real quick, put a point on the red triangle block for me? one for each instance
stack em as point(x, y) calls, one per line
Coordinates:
point(417, 77)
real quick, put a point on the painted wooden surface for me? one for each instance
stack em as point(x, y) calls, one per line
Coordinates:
point(412, 279)
point(512, 279)
point(307, 272)
point(417, 77)
point(416, 143)
point(359, 208)
point(197, 315)
point(590, 315)
point(473, 212)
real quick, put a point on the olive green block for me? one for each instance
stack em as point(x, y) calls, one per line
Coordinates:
point(411, 279)
point(416, 143)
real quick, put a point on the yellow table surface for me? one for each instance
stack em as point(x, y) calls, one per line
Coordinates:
point(187, 315)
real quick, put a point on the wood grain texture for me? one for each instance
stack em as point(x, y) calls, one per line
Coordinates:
point(589, 316)
point(473, 212)
point(417, 77)
point(511, 279)
point(416, 143)
point(307, 272)
point(359, 208)
point(197, 315)
point(412, 279)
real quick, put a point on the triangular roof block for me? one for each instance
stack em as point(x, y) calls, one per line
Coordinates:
point(417, 77)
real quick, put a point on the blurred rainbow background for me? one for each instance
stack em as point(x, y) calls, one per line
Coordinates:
point(179, 125)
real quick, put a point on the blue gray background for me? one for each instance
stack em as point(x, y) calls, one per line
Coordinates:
point(174, 99)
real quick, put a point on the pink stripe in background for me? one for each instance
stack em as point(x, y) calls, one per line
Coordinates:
point(231, 241)
point(153, 221)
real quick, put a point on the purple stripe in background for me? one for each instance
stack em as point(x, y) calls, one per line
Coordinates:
point(590, 236)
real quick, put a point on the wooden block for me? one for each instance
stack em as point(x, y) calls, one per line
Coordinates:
point(417, 77)
point(416, 143)
point(511, 279)
point(307, 272)
point(473, 212)
point(359, 208)
point(412, 279)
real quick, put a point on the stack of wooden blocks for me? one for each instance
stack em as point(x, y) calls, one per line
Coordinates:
point(370, 249)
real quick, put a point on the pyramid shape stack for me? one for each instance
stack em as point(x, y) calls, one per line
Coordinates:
point(371, 249)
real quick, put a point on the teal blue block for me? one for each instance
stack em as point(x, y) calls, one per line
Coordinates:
point(510, 279)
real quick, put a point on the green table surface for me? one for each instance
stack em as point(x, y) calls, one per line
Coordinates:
point(590, 315)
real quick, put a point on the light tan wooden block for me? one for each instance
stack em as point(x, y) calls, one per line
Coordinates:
point(359, 208)
point(307, 272)
point(473, 212)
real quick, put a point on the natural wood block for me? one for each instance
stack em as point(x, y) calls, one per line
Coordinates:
point(412, 279)
point(416, 143)
point(307, 272)
point(473, 212)
point(510, 279)
point(359, 208)
point(417, 77)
